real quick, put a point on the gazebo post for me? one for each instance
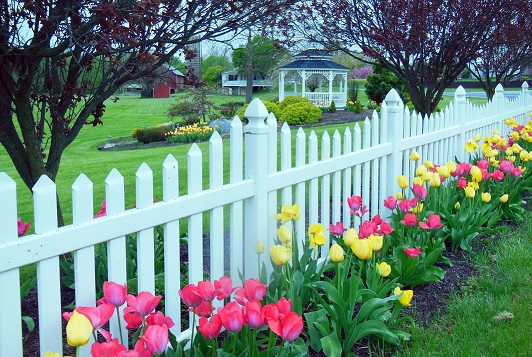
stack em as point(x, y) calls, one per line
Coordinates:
point(303, 85)
point(331, 77)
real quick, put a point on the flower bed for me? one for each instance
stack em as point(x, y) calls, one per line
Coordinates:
point(356, 292)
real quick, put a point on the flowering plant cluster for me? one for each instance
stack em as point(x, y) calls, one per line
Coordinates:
point(190, 133)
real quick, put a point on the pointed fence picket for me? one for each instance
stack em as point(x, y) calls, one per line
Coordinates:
point(364, 160)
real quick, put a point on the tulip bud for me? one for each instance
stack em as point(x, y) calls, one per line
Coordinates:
point(376, 242)
point(350, 236)
point(457, 206)
point(470, 192)
point(362, 249)
point(414, 156)
point(420, 170)
point(78, 330)
point(451, 165)
point(429, 165)
point(486, 197)
point(259, 247)
point(435, 180)
point(384, 269)
point(336, 253)
point(284, 234)
point(402, 181)
point(478, 137)
point(406, 296)
point(399, 195)
point(443, 171)
point(280, 255)
point(504, 198)
point(418, 180)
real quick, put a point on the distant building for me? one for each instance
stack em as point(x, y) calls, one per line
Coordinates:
point(234, 83)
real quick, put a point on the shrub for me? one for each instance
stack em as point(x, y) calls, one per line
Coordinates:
point(272, 108)
point(151, 135)
point(184, 108)
point(466, 73)
point(362, 73)
point(352, 90)
point(228, 110)
point(332, 108)
point(292, 99)
point(381, 82)
point(358, 107)
point(411, 107)
point(301, 113)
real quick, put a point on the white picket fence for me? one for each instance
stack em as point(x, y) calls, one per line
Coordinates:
point(364, 160)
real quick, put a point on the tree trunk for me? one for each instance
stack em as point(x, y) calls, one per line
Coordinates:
point(249, 70)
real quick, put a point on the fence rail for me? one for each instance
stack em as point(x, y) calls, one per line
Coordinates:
point(364, 160)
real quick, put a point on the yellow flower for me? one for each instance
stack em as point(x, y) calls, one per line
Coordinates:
point(478, 137)
point(51, 354)
point(350, 236)
point(414, 156)
point(474, 170)
point(287, 213)
point(280, 255)
point(470, 192)
point(443, 171)
point(402, 181)
point(418, 208)
point(421, 170)
point(486, 197)
point(406, 296)
point(471, 146)
point(451, 165)
point(435, 180)
point(426, 176)
point(523, 155)
point(384, 269)
point(316, 234)
point(336, 253)
point(362, 249)
point(418, 180)
point(457, 206)
point(504, 198)
point(399, 195)
point(284, 234)
point(376, 242)
point(259, 247)
point(78, 330)
point(477, 176)
point(428, 164)
point(473, 184)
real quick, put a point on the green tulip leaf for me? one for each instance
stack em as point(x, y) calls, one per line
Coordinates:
point(331, 346)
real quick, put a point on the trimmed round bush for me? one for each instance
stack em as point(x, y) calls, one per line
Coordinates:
point(292, 99)
point(272, 108)
point(300, 114)
point(151, 135)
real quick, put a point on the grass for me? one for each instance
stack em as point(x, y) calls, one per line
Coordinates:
point(503, 284)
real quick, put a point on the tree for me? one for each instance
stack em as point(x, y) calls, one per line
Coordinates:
point(260, 55)
point(505, 54)
point(426, 44)
point(60, 60)
point(213, 61)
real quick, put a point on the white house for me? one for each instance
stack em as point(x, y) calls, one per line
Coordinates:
point(235, 83)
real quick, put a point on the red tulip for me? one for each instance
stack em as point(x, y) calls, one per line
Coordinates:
point(462, 183)
point(203, 309)
point(354, 202)
point(419, 191)
point(252, 290)
point(156, 339)
point(22, 227)
point(144, 302)
point(232, 316)
point(288, 328)
point(158, 318)
point(98, 316)
point(224, 287)
point(390, 203)
point(413, 252)
point(284, 306)
point(132, 317)
point(103, 211)
point(337, 229)
point(190, 295)
point(517, 172)
point(210, 328)
point(107, 349)
point(385, 228)
point(270, 311)
point(254, 317)
point(114, 293)
point(432, 223)
point(404, 205)
point(206, 290)
point(497, 175)
point(410, 220)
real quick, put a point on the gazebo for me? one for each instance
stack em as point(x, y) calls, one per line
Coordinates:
point(306, 75)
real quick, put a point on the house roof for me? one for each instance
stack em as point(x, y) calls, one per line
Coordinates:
point(314, 64)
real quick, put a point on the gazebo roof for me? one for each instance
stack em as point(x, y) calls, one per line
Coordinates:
point(313, 53)
point(314, 64)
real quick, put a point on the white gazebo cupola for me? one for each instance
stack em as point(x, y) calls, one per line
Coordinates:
point(315, 76)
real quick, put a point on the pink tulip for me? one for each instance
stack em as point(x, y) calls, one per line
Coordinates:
point(413, 202)
point(462, 183)
point(158, 318)
point(506, 166)
point(354, 202)
point(206, 290)
point(390, 203)
point(366, 229)
point(210, 328)
point(413, 252)
point(385, 228)
point(337, 229)
point(483, 164)
point(288, 328)
point(432, 223)
point(98, 316)
point(254, 317)
point(497, 175)
point(404, 205)
point(22, 227)
point(103, 211)
point(270, 311)
point(107, 349)
point(410, 220)
point(284, 306)
point(132, 317)
point(252, 290)
point(419, 191)
point(190, 295)
point(485, 174)
point(232, 316)
point(517, 172)
point(156, 339)
point(377, 220)
point(144, 302)
point(114, 293)
point(204, 309)
point(224, 287)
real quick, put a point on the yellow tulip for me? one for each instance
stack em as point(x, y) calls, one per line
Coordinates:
point(316, 234)
point(477, 177)
point(418, 208)
point(402, 181)
point(428, 164)
point(362, 249)
point(486, 197)
point(51, 354)
point(259, 247)
point(284, 234)
point(451, 165)
point(280, 255)
point(504, 198)
point(474, 170)
point(426, 176)
point(78, 330)
point(420, 170)
point(470, 192)
point(443, 171)
point(414, 156)
point(384, 269)
point(435, 180)
point(509, 152)
point(471, 146)
point(336, 253)
point(406, 296)
point(418, 180)
point(523, 155)
point(511, 158)
point(473, 184)
point(478, 137)
point(287, 213)
point(376, 242)
point(350, 236)
point(516, 148)
point(399, 195)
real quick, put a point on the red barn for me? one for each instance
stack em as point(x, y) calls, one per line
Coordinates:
point(169, 81)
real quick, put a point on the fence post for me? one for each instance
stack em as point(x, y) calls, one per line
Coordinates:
point(459, 118)
point(256, 168)
point(393, 122)
point(499, 107)
point(526, 100)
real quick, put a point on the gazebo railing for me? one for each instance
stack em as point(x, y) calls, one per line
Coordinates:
point(322, 99)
